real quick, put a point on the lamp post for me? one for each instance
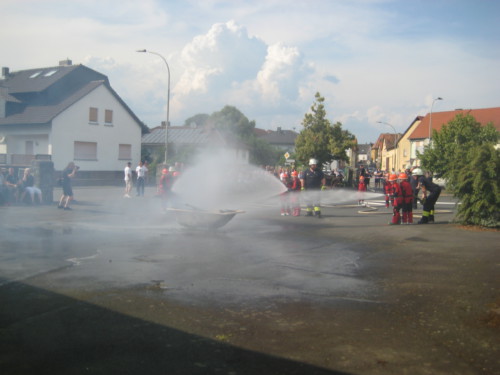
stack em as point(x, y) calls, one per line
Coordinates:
point(430, 118)
point(396, 136)
point(168, 97)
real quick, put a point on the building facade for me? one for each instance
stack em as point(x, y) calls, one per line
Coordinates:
point(66, 113)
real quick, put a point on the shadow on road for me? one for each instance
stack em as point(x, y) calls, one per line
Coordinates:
point(45, 333)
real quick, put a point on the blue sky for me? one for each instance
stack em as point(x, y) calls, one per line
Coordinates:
point(372, 60)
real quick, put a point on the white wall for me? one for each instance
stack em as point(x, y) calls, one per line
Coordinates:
point(73, 125)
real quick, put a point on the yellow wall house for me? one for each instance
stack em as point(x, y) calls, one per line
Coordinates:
point(403, 148)
point(384, 151)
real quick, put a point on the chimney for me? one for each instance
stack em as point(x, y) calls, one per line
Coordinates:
point(5, 72)
point(66, 62)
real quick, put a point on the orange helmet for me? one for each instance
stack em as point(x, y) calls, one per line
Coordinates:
point(164, 171)
point(285, 175)
point(393, 177)
point(361, 178)
point(295, 174)
point(402, 176)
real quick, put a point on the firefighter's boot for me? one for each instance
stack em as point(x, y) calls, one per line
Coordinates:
point(396, 218)
point(405, 217)
point(410, 217)
point(431, 216)
point(425, 218)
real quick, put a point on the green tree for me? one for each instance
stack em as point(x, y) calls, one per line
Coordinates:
point(320, 139)
point(200, 119)
point(340, 141)
point(448, 153)
point(478, 188)
point(230, 120)
point(235, 125)
point(463, 153)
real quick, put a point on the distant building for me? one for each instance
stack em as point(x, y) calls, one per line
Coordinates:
point(384, 151)
point(420, 136)
point(364, 154)
point(283, 139)
point(66, 113)
point(193, 139)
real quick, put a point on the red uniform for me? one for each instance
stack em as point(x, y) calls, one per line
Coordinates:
point(407, 193)
point(361, 190)
point(397, 196)
point(388, 193)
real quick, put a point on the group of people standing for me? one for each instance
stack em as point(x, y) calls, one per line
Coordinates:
point(403, 190)
point(311, 180)
point(164, 186)
point(141, 172)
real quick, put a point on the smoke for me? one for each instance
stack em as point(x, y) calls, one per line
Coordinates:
point(219, 181)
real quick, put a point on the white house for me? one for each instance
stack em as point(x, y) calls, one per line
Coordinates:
point(66, 113)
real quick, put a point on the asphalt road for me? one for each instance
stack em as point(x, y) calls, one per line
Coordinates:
point(118, 286)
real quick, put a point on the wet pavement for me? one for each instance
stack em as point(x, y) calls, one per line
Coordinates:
point(117, 285)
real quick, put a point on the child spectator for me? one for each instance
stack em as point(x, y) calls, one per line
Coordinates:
point(407, 192)
point(397, 197)
point(361, 191)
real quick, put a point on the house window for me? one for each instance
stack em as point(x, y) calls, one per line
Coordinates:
point(93, 115)
point(85, 151)
point(108, 117)
point(125, 152)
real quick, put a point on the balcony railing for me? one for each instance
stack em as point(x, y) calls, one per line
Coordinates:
point(21, 160)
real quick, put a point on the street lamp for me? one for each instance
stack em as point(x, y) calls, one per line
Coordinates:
point(168, 97)
point(430, 118)
point(396, 138)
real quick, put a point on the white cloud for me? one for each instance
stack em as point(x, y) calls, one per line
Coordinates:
point(228, 66)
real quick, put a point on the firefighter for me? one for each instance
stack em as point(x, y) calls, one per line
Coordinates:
point(313, 181)
point(431, 193)
point(397, 199)
point(407, 193)
point(294, 190)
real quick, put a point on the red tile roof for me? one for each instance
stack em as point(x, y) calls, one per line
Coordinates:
point(389, 139)
point(483, 116)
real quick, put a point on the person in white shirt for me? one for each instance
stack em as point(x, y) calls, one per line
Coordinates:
point(141, 171)
point(128, 179)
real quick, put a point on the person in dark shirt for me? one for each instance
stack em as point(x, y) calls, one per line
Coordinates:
point(67, 195)
point(313, 181)
point(431, 193)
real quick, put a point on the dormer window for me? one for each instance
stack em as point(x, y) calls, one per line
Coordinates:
point(52, 72)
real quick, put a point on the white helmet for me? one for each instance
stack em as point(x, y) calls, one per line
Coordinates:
point(313, 161)
point(417, 172)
